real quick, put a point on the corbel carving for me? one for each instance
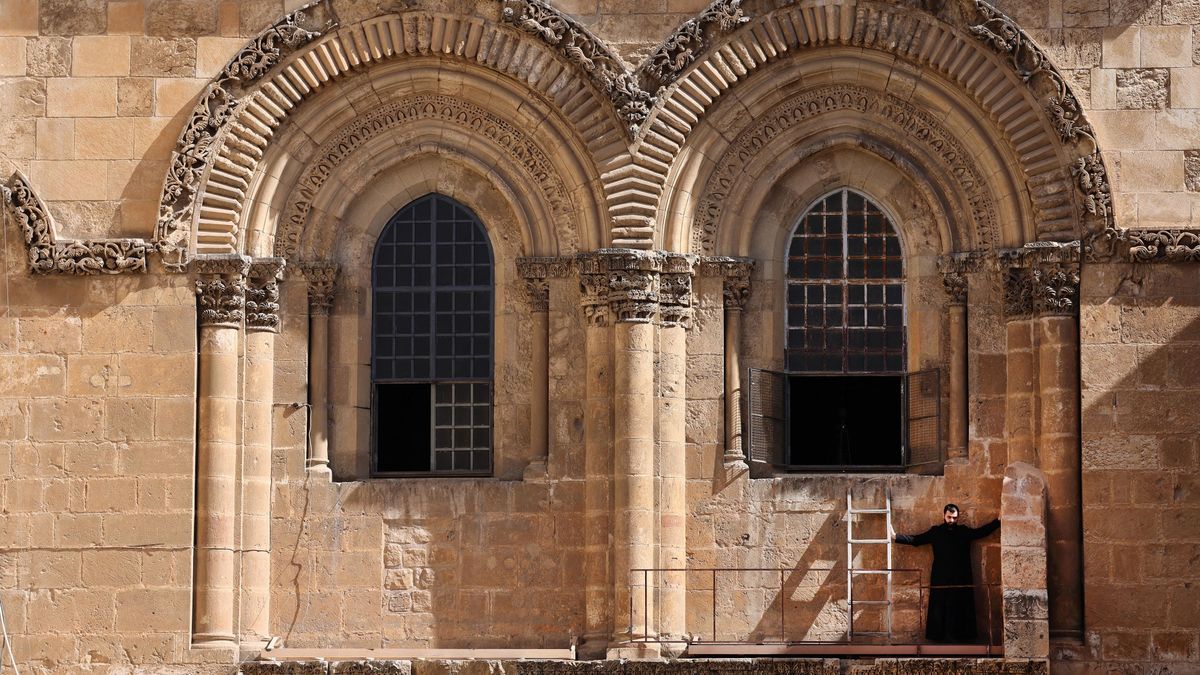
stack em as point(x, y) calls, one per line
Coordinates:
point(262, 294)
point(221, 289)
point(322, 281)
point(579, 46)
point(675, 289)
point(217, 105)
point(47, 255)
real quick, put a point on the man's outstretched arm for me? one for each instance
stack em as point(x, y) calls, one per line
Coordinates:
point(913, 539)
point(984, 530)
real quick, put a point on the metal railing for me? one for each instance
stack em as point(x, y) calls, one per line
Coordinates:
point(714, 574)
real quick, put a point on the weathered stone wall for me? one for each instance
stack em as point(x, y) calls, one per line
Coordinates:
point(98, 395)
point(1141, 496)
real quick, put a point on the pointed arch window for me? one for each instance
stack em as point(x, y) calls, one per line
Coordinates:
point(844, 399)
point(432, 335)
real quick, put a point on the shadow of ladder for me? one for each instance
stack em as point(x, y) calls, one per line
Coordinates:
point(855, 545)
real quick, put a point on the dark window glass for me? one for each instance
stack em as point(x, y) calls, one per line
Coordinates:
point(431, 366)
point(845, 281)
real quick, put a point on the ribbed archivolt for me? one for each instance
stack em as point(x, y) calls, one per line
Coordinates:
point(631, 189)
point(913, 36)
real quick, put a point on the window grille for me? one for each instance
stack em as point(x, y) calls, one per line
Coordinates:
point(845, 290)
point(431, 363)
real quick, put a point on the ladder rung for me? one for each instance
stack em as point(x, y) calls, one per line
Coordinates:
point(870, 602)
point(854, 571)
point(870, 541)
point(868, 510)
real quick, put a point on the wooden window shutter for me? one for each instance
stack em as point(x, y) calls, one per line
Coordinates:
point(767, 423)
point(923, 423)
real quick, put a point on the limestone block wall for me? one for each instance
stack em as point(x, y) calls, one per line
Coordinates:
point(1141, 514)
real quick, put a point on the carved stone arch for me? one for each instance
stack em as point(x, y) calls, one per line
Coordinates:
point(222, 147)
point(1003, 79)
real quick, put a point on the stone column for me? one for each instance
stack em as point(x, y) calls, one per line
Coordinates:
point(322, 278)
point(633, 295)
point(1020, 408)
point(539, 394)
point(675, 313)
point(736, 293)
point(956, 290)
point(1023, 562)
point(598, 456)
point(221, 295)
point(1056, 292)
point(262, 323)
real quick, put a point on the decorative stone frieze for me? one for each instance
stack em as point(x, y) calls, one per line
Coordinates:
point(217, 106)
point(518, 145)
point(675, 289)
point(921, 128)
point(683, 45)
point(606, 69)
point(221, 289)
point(322, 281)
point(1172, 246)
point(262, 294)
point(48, 255)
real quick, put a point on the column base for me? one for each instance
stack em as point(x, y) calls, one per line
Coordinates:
point(214, 641)
point(635, 651)
point(320, 472)
point(735, 463)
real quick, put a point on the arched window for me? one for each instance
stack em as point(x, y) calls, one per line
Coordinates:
point(431, 351)
point(845, 344)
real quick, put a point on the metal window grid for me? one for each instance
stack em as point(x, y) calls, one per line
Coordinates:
point(845, 289)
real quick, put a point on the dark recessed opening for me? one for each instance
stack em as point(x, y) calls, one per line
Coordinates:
point(846, 420)
point(402, 427)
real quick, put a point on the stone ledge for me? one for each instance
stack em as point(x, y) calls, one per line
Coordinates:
point(679, 667)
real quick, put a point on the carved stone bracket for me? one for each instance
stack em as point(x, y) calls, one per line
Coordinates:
point(322, 281)
point(217, 106)
point(262, 294)
point(606, 69)
point(220, 289)
point(681, 47)
point(48, 255)
point(535, 271)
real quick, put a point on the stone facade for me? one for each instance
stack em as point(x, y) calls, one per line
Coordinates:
point(186, 326)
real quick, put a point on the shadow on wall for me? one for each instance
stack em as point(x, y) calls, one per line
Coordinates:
point(1140, 380)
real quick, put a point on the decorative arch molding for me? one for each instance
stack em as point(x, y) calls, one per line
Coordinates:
point(971, 45)
point(940, 157)
point(226, 139)
point(561, 229)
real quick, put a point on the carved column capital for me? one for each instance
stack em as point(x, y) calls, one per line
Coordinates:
point(262, 294)
point(634, 284)
point(956, 287)
point(221, 289)
point(1056, 289)
point(322, 281)
point(535, 270)
point(675, 289)
point(736, 275)
point(1018, 293)
point(1041, 278)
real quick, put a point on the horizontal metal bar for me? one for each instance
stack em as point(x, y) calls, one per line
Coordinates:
point(869, 602)
point(870, 541)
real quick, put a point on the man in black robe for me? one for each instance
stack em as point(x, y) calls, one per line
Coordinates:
point(951, 616)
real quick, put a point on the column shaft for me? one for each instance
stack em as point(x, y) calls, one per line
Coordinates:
point(672, 426)
point(255, 585)
point(958, 382)
point(216, 489)
point(734, 450)
point(634, 470)
point(598, 460)
point(318, 387)
point(539, 396)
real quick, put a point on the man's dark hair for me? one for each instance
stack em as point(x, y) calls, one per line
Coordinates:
point(950, 507)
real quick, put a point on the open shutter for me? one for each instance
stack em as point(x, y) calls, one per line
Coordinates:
point(923, 405)
point(768, 416)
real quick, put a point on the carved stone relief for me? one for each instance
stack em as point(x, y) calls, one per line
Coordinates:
point(636, 286)
point(682, 46)
point(736, 274)
point(535, 271)
point(917, 125)
point(520, 148)
point(605, 68)
point(675, 289)
point(1041, 279)
point(221, 289)
point(262, 294)
point(46, 254)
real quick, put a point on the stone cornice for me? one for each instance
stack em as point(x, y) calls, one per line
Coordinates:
point(49, 255)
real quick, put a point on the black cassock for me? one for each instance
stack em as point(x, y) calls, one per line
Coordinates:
point(951, 616)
